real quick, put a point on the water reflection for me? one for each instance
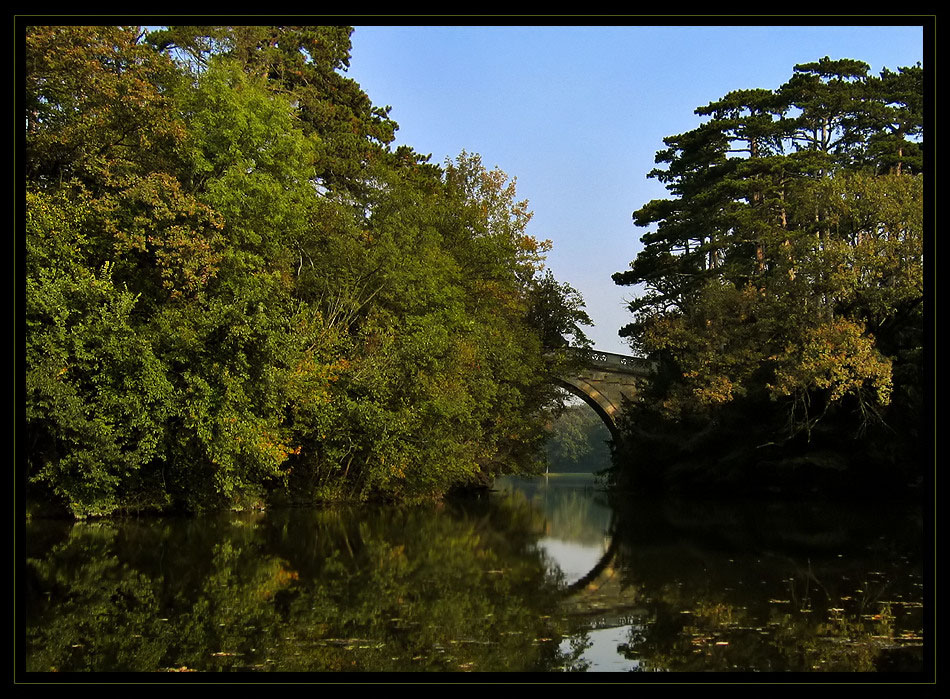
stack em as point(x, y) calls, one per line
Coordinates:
point(545, 575)
point(576, 519)
point(701, 586)
point(790, 587)
point(456, 587)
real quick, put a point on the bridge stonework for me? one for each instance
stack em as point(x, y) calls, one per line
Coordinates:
point(605, 380)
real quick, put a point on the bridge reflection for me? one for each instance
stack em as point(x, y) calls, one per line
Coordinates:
point(578, 541)
point(597, 575)
point(601, 598)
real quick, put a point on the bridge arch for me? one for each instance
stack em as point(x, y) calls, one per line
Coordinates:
point(604, 380)
point(595, 399)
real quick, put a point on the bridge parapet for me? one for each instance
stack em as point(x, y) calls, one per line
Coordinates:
point(618, 362)
point(604, 380)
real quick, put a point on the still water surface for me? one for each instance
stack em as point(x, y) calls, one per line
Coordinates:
point(544, 575)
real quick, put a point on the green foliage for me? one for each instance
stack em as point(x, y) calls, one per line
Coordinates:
point(578, 442)
point(784, 279)
point(787, 271)
point(237, 289)
point(97, 394)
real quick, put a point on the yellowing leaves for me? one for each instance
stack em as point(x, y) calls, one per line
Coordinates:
point(717, 389)
point(836, 356)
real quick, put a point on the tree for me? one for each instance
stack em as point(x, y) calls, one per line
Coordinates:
point(237, 289)
point(793, 243)
point(111, 233)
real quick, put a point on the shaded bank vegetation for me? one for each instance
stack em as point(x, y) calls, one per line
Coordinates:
point(783, 292)
point(236, 287)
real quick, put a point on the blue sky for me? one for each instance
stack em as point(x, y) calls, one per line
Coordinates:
point(577, 113)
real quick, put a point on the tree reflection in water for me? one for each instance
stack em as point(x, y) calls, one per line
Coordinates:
point(787, 587)
point(467, 586)
point(456, 587)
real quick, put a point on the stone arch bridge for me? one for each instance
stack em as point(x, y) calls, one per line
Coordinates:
point(604, 380)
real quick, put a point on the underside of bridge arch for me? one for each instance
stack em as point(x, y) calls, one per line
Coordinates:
point(601, 405)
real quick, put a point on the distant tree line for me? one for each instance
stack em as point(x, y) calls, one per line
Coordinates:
point(579, 441)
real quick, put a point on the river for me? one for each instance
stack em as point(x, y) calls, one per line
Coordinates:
point(543, 575)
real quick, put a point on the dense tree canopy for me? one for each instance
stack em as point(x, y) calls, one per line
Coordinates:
point(786, 270)
point(236, 287)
